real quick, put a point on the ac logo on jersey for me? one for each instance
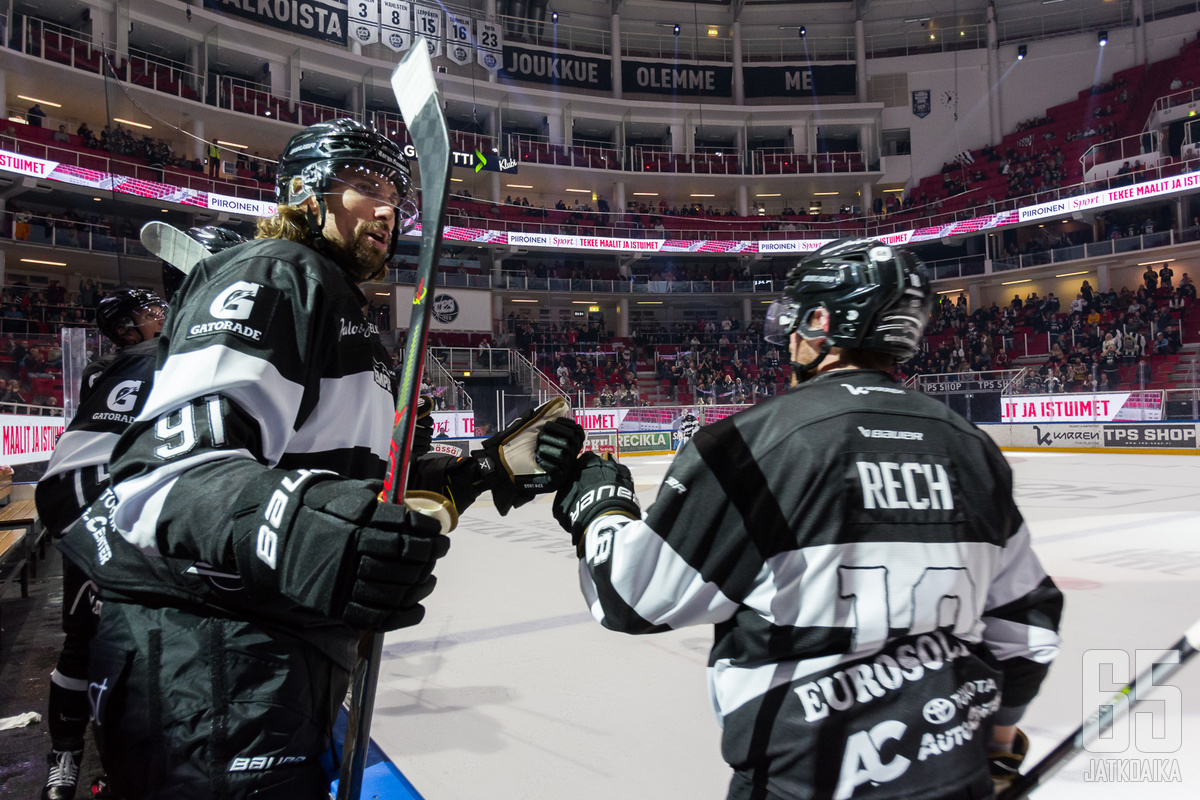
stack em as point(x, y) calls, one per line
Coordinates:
point(235, 301)
point(124, 396)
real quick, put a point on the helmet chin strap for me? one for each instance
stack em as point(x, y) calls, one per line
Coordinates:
point(801, 371)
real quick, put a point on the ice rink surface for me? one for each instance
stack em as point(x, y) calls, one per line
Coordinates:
point(509, 690)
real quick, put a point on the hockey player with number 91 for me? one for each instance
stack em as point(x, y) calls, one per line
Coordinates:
point(249, 486)
point(880, 620)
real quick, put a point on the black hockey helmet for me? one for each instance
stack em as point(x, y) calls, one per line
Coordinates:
point(311, 159)
point(115, 311)
point(214, 238)
point(878, 298)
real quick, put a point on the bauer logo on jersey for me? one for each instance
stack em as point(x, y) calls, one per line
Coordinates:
point(242, 308)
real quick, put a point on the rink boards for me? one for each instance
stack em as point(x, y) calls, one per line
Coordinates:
point(1148, 438)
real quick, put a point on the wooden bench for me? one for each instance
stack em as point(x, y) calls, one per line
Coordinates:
point(15, 555)
point(21, 516)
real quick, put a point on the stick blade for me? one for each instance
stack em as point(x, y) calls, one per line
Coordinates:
point(414, 87)
point(172, 245)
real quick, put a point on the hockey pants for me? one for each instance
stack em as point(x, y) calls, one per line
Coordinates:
point(194, 707)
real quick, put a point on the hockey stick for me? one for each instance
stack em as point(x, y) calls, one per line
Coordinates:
point(172, 245)
point(416, 93)
point(1116, 708)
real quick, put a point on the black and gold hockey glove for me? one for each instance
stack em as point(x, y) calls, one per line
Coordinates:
point(602, 486)
point(422, 441)
point(1006, 766)
point(533, 455)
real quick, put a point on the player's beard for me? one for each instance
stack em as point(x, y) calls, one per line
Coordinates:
point(360, 258)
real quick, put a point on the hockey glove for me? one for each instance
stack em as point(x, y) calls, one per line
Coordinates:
point(603, 486)
point(328, 544)
point(1006, 766)
point(517, 463)
point(422, 441)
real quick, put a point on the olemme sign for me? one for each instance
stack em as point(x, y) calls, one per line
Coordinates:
point(27, 440)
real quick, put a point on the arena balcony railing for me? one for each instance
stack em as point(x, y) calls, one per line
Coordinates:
point(916, 218)
point(98, 160)
point(62, 45)
point(43, 230)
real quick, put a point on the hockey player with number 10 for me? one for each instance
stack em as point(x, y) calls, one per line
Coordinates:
point(249, 485)
point(880, 620)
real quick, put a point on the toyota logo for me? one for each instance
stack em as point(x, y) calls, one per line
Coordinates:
point(938, 711)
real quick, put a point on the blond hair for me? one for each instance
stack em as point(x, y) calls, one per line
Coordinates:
point(289, 223)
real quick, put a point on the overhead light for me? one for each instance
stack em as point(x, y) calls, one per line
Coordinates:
point(518, 186)
point(131, 122)
point(457, 180)
point(554, 17)
point(97, 199)
point(1051, 2)
point(1081, 272)
point(1022, 51)
point(383, 294)
point(1152, 263)
point(649, 302)
point(931, 36)
point(704, 195)
point(1010, 283)
point(645, 194)
point(951, 291)
point(35, 100)
point(17, 119)
point(47, 263)
point(1103, 38)
point(579, 191)
point(524, 301)
point(231, 144)
point(825, 194)
point(164, 211)
point(776, 194)
point(676, 30)
point(584, 302)
point(917, 19)
point(893, 190)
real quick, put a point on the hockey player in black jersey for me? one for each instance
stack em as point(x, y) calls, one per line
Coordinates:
point(880, 620)
point(113, 390)
point(249, 487)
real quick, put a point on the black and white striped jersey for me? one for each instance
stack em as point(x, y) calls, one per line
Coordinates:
point(875, 601)
point(266, 361)
point(114, 390)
